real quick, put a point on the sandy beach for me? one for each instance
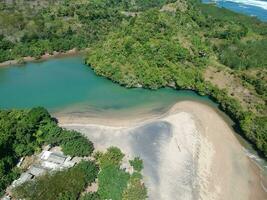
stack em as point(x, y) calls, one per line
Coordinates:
point(190, 152)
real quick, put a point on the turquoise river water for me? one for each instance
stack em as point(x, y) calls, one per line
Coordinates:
point(67, 85)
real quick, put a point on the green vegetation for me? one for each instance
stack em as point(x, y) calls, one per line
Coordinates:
point(137, 164)
point(173, 47)
point(113, 182)
point(244, 55)
point(113, 156)
point(90, 196)
point(258, 81)
point(147, 50)
point(27, 29)
point(23, 132)
point(66, 184)
point(132, 43)
point(135, 191)
point(137, 43)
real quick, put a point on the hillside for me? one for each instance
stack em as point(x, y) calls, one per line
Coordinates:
point(193, 46)
point(33, 28)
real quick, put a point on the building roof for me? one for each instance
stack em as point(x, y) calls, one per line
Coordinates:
point(50, 165)
point(37, 170)
point(45, 155)
point(56, 158)
point(6, 198)
point(24, 177)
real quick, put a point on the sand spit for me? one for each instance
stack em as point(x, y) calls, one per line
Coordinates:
point(188, 153)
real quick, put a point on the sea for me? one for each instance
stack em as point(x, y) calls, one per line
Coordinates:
point(255, 8)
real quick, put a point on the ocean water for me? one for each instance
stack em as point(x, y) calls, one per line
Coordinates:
point(256, 8)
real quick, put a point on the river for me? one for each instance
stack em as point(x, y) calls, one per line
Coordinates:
point(68, 86)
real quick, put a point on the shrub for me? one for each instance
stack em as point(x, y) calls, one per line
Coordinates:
point(78, 147)
point(137, 164)
point(136, 190)
point(112, 182)
point(113, 156)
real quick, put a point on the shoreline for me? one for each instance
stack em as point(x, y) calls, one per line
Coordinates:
point(223, 171)
point(47, 56)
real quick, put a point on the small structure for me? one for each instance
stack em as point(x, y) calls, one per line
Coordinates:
point(48, 161)
point(6, 198)
point(36, 170)
point(20, 161)
point(23, 178)
point(52, 160)
point(57, 158)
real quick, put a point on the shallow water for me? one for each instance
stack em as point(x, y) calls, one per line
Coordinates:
point(67, 86)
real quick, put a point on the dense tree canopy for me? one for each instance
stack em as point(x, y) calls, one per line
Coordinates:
point(33, 28)
point(172, 47)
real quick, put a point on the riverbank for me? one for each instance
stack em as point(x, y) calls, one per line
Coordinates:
point(190, 142)
point(55, 54)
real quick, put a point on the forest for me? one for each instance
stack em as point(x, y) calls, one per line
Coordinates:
point(173, 47)
point(39, 27)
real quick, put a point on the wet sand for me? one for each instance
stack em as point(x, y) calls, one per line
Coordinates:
point(189, 152)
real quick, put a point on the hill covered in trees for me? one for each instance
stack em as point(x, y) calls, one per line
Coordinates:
point(33, 28)
point(176, 46)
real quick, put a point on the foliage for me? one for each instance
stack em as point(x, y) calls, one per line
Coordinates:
point(90, 196)
point(66, 184)
point(239, 55)
point(78, 147)
point(17, 138)
point(137, 164)
point(72, 142)
point(258, 81)
point(113, 156)
point(112, 182)
point(147, 50)
point(90, 169)
point(158, 49)
point(22, 132)
point(136, 190)
point(28, 30)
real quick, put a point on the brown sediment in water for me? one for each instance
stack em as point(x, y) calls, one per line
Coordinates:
point(55, 54)
point(230, 174)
